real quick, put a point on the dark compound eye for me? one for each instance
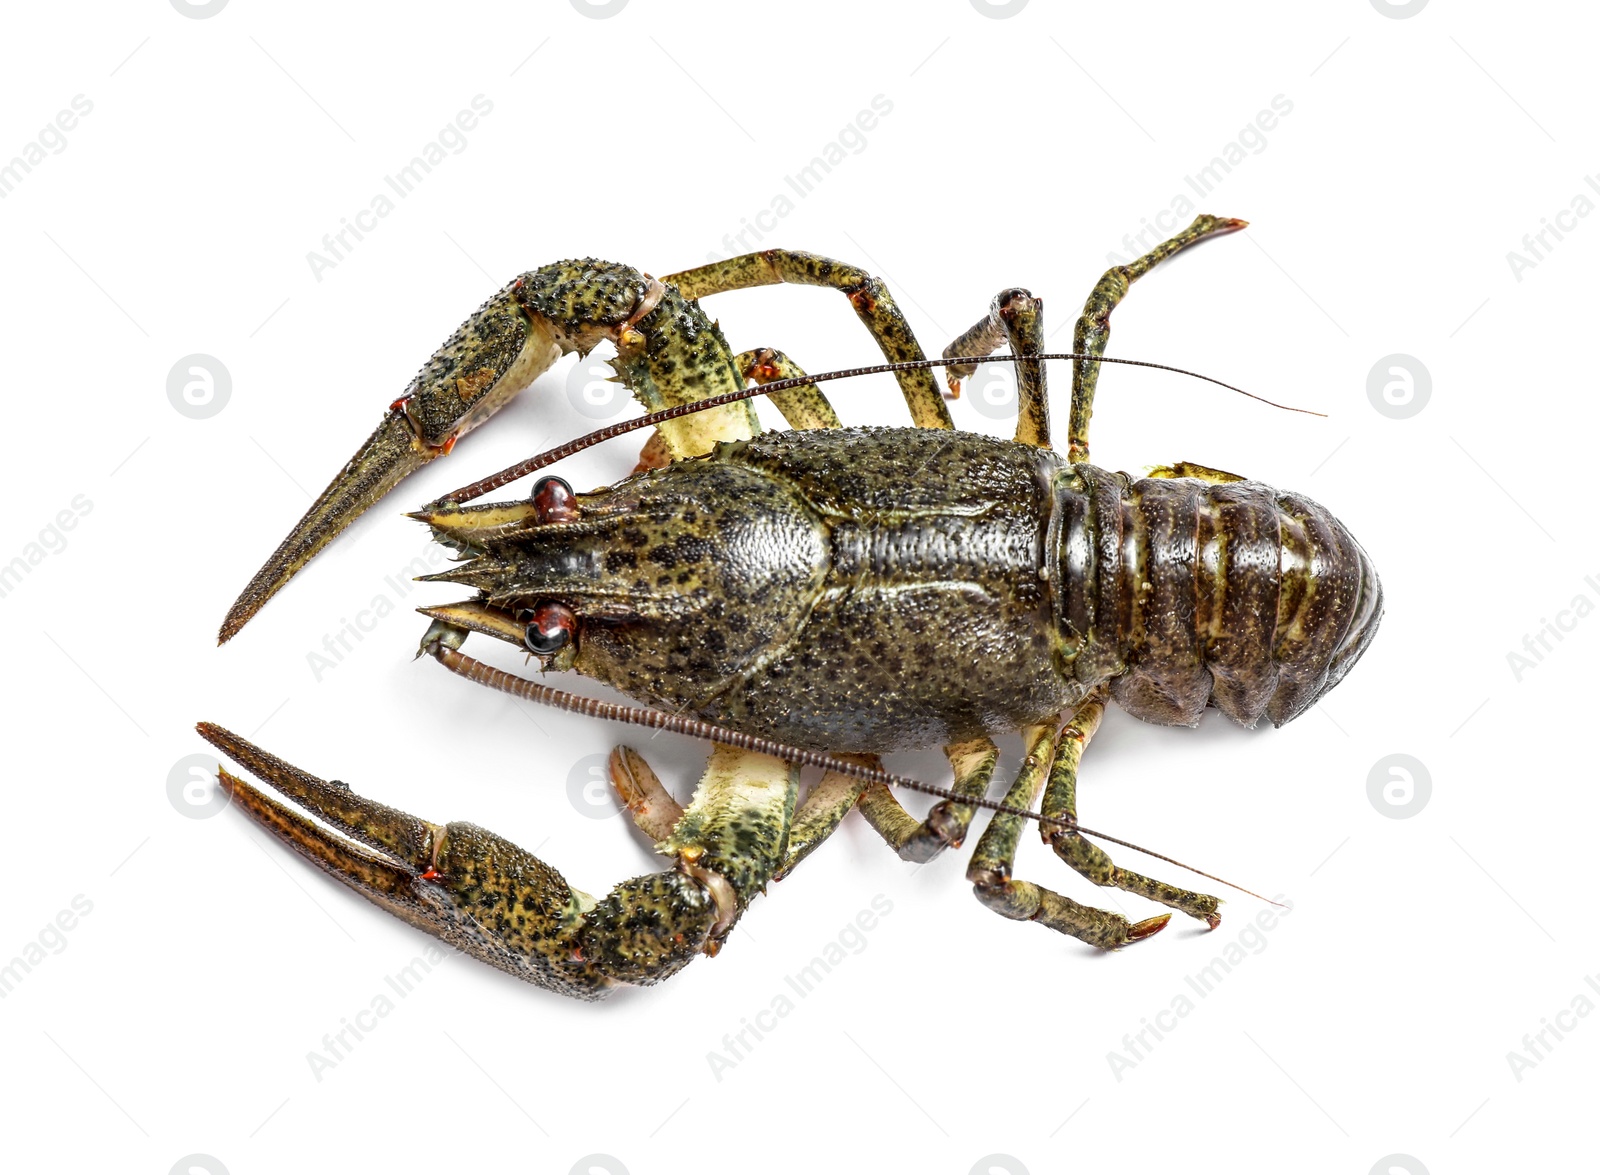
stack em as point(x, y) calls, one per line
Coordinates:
point(550, 629)
point(554, 500)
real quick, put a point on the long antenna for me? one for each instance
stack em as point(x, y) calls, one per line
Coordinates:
point(522, 468)
point(474, 670)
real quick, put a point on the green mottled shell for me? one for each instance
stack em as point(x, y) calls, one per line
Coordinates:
point(882, 589)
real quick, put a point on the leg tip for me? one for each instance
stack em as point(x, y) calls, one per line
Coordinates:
point(1143, 930)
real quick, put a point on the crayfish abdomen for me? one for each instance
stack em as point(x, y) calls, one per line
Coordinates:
point(1186, 591)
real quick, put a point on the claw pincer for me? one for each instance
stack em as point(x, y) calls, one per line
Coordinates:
point(496, 902)
point(666, 348)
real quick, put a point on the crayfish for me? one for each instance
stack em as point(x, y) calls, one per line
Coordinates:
point(816, 596)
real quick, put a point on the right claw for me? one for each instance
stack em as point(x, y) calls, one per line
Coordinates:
point(389, 456)
point(496, 353)
point(668, 353)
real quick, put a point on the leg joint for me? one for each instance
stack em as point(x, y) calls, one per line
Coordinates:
point(1017, 900)
point(1010, 303)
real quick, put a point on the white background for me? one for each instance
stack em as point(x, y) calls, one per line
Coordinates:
point(176, 1017)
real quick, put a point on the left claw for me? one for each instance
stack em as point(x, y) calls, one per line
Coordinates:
point(482, 894)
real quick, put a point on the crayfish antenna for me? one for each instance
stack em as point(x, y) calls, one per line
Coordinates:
point(446, 651)
point(1128, 844)
point(538, 461)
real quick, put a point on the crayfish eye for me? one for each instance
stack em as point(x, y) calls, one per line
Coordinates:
point(554, 500)
point(550, 629)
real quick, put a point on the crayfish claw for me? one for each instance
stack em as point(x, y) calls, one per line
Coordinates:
point(490, 899)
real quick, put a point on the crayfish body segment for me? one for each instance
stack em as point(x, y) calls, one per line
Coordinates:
point(800, 585)
point(850, 591)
